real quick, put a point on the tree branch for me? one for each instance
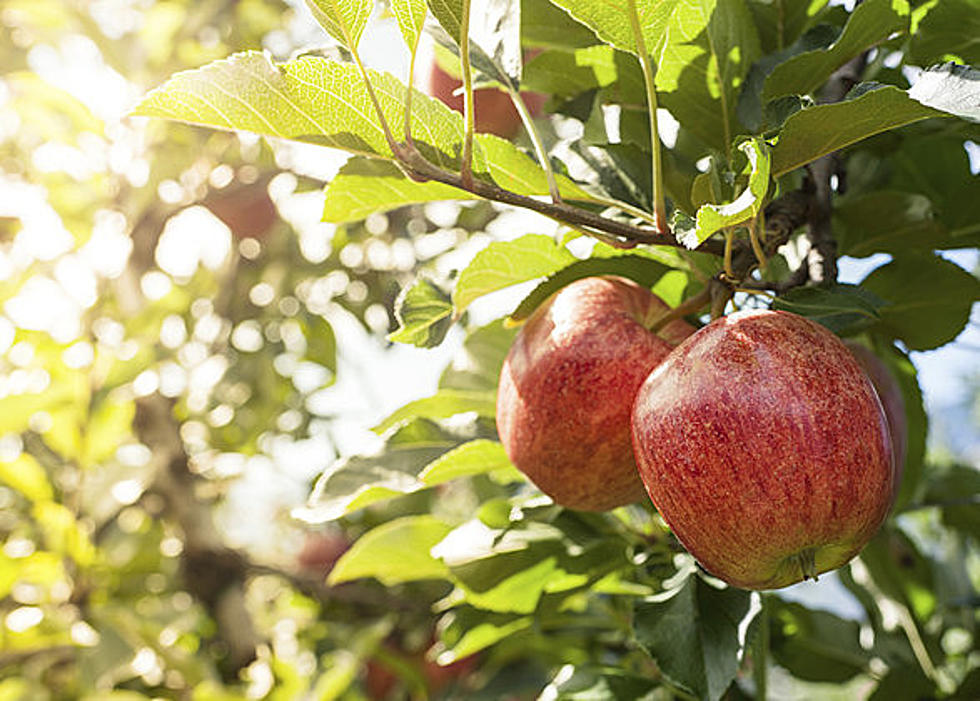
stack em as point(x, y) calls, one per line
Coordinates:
point(421, 170)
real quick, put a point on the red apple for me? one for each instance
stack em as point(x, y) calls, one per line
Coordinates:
point(567, 387)
point(761, 442)
point(892, 401)
point(246, 209)
point(321, 551)
point(494, 111)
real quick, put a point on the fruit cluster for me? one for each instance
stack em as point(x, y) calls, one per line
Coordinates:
point(759, 437)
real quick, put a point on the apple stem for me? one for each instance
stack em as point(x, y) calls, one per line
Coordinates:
point(539, 149)
point(807, 560)
point(760, 649)
point(656, 165)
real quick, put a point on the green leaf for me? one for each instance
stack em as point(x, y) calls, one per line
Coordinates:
point(450, 15)
point(474, 458)
point(564, 74)
point(949, 29)
point(693, 634)
point(506, 263)
point(816, 645)
point(844, 309)
point(424, 314)
point(781, 23)
point(952, 88)
point(410, 15)
point(442, 405)
point(872, 22)
point(928, 299)
point(344, 20)
point(321, 343)
point(394, 552)
point(358, 481)
point(364, 186)
point(884, 221)
point(817, 131)
point(309, 99)
point(611, 20)
point(709, 50)
point(714, 217)
point(641, 269)
point(545, 24)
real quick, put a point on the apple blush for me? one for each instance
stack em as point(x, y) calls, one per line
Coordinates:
point(567, 387)
point(762, 443)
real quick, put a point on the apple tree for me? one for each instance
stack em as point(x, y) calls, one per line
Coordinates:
point(725, 154)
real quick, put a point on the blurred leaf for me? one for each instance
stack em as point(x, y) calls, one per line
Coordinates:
point(564, 74)
point(871, 22)
point(905, 682)
point(950, 28)
point(612, 23)
point(469, 630)
point(710, 47)
point(442, 405)
point(394, 552)
point(822, 129)
point(63, 533)
point(928, 299)
point(816, 645)
point(424, 314)
point(364, 186)
point(640, 269)
point(844, 309)
point(885, 222)
point(506, 263)
point(474, 458)
point(344, 20)
point(476, 366)
point(692, 633)
point(26, 475)
point(952, 88)
point(321, 343)
point(956, 490)
point(41, 568)
point(109, 425)
point(355, 482)
point(593, 683)
point(507, 583)
point(714, 217)
point(901, 572)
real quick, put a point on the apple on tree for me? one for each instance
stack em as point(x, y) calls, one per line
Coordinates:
point(494, 113)
point(567, 387)
point(762, 443)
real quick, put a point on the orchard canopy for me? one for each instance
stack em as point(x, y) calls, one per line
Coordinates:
point(261, 263)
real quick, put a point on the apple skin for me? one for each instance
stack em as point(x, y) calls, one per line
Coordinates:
point(494, 111)
point(567, 387)
point(892, 401)
point(763, 445)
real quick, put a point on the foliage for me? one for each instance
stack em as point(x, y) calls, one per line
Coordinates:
point(158, 438)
